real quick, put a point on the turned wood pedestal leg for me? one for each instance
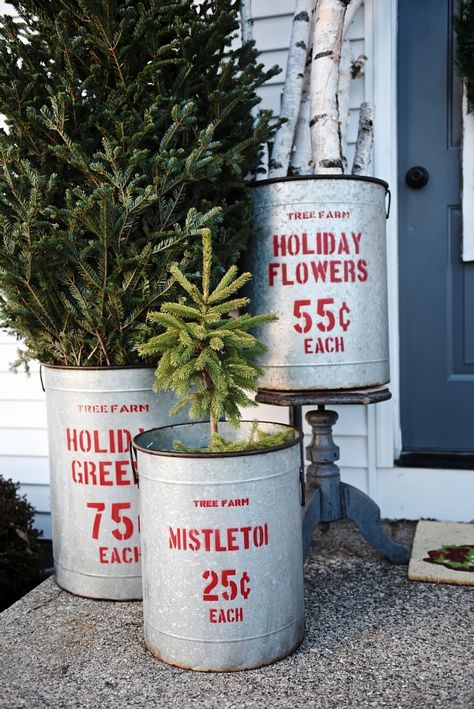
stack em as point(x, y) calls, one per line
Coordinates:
point(328, 499)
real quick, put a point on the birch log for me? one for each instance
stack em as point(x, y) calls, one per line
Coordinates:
point(350, 14)
point(246, 24)
point(246, 21)
point(346, 73)
point(343, 97)
point(292, 92)
point(365, 140)
point(327, 42)
point(358, 64)
point(301, 162)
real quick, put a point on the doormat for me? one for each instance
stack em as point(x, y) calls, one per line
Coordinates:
point(443, 552)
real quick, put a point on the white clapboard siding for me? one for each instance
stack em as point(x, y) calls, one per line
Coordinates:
point(29, 469)
point(23, 436)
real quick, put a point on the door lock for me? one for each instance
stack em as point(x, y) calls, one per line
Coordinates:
point(417, 177)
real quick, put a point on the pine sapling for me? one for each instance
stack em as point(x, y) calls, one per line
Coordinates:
point(205, 355)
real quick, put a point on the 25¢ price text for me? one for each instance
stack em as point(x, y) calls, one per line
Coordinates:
point(226, 585)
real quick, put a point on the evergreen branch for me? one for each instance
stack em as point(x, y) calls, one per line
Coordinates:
point(189, 287)
point(206, 263)
point(229, 305)
point(184, 311)
point(230, 289)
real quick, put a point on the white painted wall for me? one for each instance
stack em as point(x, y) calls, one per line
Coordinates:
point(23, 438)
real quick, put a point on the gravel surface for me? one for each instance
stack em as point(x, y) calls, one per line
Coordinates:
point(373, 639)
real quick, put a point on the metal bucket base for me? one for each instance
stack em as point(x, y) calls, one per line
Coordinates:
point(99, 587)
point(209, 656)
point(323, 378)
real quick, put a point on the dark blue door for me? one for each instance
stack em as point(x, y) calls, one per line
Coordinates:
point(436, 287)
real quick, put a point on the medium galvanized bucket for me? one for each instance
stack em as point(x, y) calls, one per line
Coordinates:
point(222, 550)
point(92, 414)
point(319, 263)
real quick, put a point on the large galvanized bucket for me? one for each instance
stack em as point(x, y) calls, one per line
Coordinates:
point(222, 550)
point(93, 413)
point(319, 263)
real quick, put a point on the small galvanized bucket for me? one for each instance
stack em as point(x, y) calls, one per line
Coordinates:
point(93, 413)
point(319, 263)
point(222, 549)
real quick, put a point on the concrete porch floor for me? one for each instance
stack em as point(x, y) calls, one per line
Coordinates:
point(373, 639)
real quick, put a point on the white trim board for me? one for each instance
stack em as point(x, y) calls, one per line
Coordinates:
point(414, 493)
point(467, 184)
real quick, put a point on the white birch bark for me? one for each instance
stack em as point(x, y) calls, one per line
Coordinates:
point(246, 25)
point(365, 140)
point(261, 173)
point(301, 161)
point(327, 41)
point(350, 14)
point(357, 65)
point(343, 97)
point(300, 35)
point(246, 21)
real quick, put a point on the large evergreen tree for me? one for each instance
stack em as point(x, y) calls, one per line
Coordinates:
point(127, 122)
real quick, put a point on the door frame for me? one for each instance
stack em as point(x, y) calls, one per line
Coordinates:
point(402, 493)
point(381, 24)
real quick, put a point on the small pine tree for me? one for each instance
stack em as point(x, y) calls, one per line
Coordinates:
point(121, 116)
point(204, 355)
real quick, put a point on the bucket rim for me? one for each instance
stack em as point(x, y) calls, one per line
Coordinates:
point(105, 368)
point(298, 178)
point(218, 454)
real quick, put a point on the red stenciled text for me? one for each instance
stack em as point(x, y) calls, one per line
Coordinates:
point(103, 472)
point(125, 525)
point(100, 471)
point(225, 585)
point(116, 555)
point(226, 615)
point(209, 539)
point(320, 345)
point(237, 502)
point(113, 408)
point(327, 271)
point(321, 214)
point(95, 441)
point(322, 270)
point(323, 243)
point(114, 519)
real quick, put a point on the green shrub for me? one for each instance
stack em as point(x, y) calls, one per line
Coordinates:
point(19, 546)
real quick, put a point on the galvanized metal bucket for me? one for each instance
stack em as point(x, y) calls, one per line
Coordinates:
point(222, 550)
point(92, 414)
point(319, 263)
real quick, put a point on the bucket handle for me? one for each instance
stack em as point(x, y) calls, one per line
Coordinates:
point(302, 487)
point(41, 377)
point(133, 463)
point(389, 203)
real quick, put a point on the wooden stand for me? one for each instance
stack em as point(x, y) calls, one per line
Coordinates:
point(330, 499)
